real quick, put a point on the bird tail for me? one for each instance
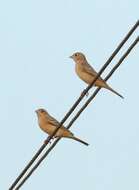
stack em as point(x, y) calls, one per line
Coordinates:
point(109, 88)
point(79, 140)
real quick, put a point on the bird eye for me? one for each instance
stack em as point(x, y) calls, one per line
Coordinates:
point(42, 110)
point(76, 54)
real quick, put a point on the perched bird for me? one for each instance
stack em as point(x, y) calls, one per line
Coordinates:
point(87, 73)
point(49, 124)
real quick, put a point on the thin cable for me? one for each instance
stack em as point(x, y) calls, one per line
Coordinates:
point(79, 112)
point(75, 104)
point(107, 77)
point(94, 80)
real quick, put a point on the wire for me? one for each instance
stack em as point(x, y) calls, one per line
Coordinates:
point(80, 111)
point(75, 104)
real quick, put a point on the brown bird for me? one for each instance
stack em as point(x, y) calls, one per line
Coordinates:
point(87, 73)
point(49, 124)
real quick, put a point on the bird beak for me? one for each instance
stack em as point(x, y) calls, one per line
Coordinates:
point(36, 111)
point(71, 56)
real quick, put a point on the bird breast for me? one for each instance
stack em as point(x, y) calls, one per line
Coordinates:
point(48, 128)
point(86, 77)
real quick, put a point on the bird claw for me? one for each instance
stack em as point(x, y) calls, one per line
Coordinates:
point(85, 93)
point(50, 141)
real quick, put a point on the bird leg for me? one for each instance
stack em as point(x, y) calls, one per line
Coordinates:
point(85, 93)
point(46, 141)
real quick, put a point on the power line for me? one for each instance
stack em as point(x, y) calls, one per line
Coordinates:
point(79, 112)
point(75, 104)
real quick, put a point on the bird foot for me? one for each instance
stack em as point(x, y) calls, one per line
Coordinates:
point(49, 141)
point(46, 141)
point(85, 93)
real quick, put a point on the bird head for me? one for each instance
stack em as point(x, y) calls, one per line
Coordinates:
point(78, 57)
point(41, 112)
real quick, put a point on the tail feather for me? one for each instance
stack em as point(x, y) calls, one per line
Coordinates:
point(101, 83)
point(109, 88)
point(79, 140)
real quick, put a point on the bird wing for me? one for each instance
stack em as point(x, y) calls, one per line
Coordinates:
point(89, 69)
point(63, 132)
point(53, 121)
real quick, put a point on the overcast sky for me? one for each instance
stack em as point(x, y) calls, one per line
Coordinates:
point(36, 39)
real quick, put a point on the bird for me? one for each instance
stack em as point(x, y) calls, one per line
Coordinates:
point(87, 73)
point(49, 124)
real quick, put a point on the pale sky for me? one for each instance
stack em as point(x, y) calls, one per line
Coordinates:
point(36, 40)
